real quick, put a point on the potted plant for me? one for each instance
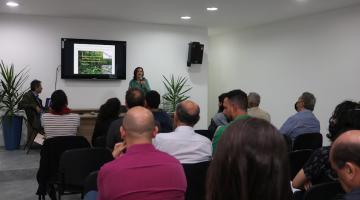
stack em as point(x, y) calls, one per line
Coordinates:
point(10, 95)
point(176, 90)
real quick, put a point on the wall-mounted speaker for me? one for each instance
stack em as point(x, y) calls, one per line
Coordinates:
point(195, 55)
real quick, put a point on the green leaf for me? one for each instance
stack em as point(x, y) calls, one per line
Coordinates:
point(176, 89)
point(12, 90)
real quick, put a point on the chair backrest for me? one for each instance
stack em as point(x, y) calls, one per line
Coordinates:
point(308, 141)
point(100, 141)
point(204, 132)
point(196, 178)
point(297, 160)
point(50, 153)
point(325, 191)
point(91, 182)
point(75, 165)
point(288, 141)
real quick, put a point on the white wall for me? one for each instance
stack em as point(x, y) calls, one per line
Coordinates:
point(319, 53)
point(160, 49)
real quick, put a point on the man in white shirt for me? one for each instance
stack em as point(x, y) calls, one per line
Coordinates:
point(184, 144)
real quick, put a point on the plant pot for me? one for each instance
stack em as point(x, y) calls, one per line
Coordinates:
point(12, 129)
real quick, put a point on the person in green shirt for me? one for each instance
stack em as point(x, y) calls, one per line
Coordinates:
point(235, 108)
point(139, 81)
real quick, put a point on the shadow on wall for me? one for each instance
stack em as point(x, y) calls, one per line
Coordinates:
point(197, 71)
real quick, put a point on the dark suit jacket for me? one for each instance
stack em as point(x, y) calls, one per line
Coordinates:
point(29, 103)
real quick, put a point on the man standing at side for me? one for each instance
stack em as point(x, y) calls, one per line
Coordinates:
point(304, 121)
point(254, 110)
point(184, 144)
point(33, 107)
point(142, 172)
point(235, 108)
point(345, 160)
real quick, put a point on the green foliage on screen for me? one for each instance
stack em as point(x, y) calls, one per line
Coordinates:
point(93, 62)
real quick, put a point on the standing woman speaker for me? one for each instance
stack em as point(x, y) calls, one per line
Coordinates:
point(139, 81)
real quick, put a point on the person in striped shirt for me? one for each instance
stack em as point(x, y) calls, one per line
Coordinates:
point(60, 121)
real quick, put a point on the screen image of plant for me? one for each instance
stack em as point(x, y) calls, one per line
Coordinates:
point(94, 62)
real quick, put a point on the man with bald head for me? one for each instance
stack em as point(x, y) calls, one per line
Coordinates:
point(139, 171)
point(184, 144)
point(345, 160)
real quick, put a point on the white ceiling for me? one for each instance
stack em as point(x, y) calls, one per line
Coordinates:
point(231, 13)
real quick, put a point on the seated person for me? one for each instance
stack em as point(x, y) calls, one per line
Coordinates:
point(235, 109)
point(304, 121)
point(184, 144)
point(254, 110)
point(142, 172)
point(134, 97)
point(108, 112)
point(317, 169)
point(345, 160)
point(60, 121)
point(219, 118)
point(152, 102)
point(246, 165)
point(33, 107)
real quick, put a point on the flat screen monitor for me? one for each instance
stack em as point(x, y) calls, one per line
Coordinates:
point(93, 59)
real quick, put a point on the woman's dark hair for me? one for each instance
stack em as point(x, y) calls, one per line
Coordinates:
point(110, 109)
point(58, 100)
point(135, 71)
point(250, 163)
point(345, 117)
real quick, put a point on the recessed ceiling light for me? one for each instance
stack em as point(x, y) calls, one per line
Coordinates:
point(301, 1)
point(12, 4)
point(212, 9)
point(185, 17)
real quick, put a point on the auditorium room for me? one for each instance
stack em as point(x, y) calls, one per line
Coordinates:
point(191, 100)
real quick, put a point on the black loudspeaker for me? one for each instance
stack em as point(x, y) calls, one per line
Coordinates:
point(195, 55)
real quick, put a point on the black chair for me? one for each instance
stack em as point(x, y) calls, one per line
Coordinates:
point(196, 178)
point(308, 141)
point(204, 132)
point(100, 142)
point(297, 160)
point(50, 153)
point(75, 165)
point(91, 182)
point(325, 191)
point(288, 142)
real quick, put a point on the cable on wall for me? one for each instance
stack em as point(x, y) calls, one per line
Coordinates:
point(56, 75)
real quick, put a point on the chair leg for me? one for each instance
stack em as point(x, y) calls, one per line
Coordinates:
point(28, 138)
point(31, 141)
point(41, 197)
point(52, 192)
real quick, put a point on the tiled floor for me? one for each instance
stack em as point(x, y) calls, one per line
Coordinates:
point(18, 175)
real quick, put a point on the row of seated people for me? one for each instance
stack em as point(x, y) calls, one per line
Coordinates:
point(242, 167)
point(109, 119)
point(303, 121)
point(231, 96)
point(186, 116)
